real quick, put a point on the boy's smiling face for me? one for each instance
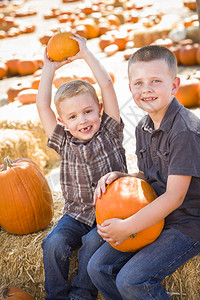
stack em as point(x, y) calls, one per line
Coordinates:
point(153, 87)
point(81, 116)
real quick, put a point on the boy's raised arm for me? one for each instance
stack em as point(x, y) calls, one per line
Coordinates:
point(43, 102)
point(103, 79)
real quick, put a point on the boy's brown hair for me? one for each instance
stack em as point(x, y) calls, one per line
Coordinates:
point(73, 88)
point(154, 52)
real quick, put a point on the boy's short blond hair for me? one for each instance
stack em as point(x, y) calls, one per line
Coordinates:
point(73, 88)
point(154, 52)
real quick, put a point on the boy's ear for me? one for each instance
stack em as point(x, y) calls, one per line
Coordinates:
point(60, 120)
point(176, 84)
point(100, 108)
point(129, 87)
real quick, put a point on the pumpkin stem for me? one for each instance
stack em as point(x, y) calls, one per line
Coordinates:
point(3, 291)
point(132, 236)
point(188, 76)
point(8, 163)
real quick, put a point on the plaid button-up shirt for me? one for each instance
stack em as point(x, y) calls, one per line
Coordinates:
point(83, 164)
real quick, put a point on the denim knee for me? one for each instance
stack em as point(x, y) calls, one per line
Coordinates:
point(55, 246)
point(93, 269)
point(92, 241)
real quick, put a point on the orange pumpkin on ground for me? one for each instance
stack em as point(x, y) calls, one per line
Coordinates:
point(27, 67)
point(60, 46)
point(27, 205)
point(27, 96)
point(35, 83)
point(105, 40)
point(81, 30)
point(113, 20)
point(12, 66)
point(92, 28)
point(123, 198)
point(111, 49)
point(198, 55)
point(45, 37)
point(188, 92)
point(3, 70)
point(63, 77)
point(187, 55)
point(14, 293)
point(16, 88)
point(175, 49)
point(121, 39)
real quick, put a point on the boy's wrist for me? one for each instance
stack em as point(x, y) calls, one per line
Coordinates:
point(48, 68)
point(48, 71)
point(86, 53)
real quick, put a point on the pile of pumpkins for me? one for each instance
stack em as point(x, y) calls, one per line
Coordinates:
point(92, 19)
point(17, 66)
point(9, 27)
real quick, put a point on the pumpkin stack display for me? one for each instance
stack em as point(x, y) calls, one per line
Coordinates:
point(14, 293)
point(26, 199)
point(123, 198)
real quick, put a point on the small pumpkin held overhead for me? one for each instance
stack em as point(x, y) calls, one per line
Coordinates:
point(61, 46)
point(26, 203)
point(123, 198)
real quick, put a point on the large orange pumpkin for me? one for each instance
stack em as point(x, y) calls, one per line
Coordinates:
point(26, 203)
point(123, 198)
point(188, 92)
point(14, 293)
point(60, 46)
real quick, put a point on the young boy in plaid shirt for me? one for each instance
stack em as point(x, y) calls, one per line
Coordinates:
point(90, 145)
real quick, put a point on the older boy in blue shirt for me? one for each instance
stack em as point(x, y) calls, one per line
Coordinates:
point(168, 153)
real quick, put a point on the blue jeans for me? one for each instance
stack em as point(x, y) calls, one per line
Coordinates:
point(138, 275)
point(57, 248)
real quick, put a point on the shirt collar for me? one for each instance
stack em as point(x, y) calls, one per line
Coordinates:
point(167, 120)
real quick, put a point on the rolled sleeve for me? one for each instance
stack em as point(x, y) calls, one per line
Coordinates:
point(115, 128)
point(56, 140)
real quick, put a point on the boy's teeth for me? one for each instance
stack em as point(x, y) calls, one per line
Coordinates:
point(148, 99)
point(84, 129)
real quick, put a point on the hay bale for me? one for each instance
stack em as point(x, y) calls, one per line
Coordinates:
point(184, 284)
point(21, 143)
point(25, 117)
point(21, 257)
point(21, 264)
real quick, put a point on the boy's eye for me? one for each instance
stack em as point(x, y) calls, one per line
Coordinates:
point(138, 83)
point(88, 111)
point(156, 80)
point(72, 117)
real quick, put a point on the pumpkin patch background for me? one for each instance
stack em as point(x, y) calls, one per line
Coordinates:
point(29, 25)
